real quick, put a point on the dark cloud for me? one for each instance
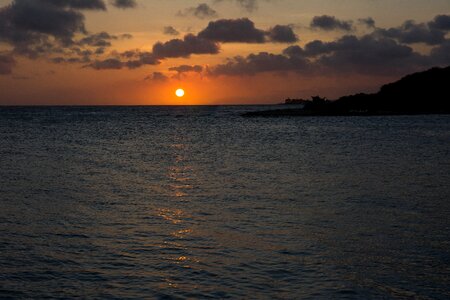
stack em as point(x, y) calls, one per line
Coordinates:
point(130, 59)
point(233, 31)
point(317, 47)
point(157, 76)
point(368, 54)
point(144, 56)
point(294, 51)
point(169, 30)
point(142, 59)
point(206, 42)
point(282, 34)
point(369, 22)
point(7, 62)
point(440, 22)
point(123, 4)
point(27, 19)
point(102, 39)
point(185, 47)
point(28, 23)
point(40, 27)
point(244, 31)
point(260, 63)
point(248, 5)
point(99, 51)
point(187, 68)
point(441, 55)
point(411, 32)
point(330, 23)
point(76, 4)
point(71, 60)
point(384, 51)
point(126, 36)
point(55, 29)
point(202, 11)
point(107, 64)
point(129, 54)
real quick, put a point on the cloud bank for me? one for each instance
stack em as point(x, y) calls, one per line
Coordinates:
point(56, 30)
point(124, 4)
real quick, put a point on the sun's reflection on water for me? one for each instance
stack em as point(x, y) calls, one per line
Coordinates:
point(173, 216)
point(180, 178)
point(177, 221)
point(181, 233)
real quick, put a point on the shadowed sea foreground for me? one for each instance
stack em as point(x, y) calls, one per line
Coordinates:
point(200, 203)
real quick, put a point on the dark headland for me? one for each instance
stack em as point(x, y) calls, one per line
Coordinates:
point(425, 92)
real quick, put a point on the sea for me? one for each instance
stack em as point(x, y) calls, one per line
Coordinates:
point(198, 202)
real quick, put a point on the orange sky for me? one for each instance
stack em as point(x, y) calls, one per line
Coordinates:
point(354, 56)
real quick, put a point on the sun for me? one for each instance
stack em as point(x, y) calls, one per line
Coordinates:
point(179, 93)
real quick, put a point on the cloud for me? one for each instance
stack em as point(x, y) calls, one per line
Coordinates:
point(411, 32)
point(76, 4)
point(185, 47)
point(440, 22)
point(147, 58)
point(379, 52)
point(202, 11)
point(169, 30)
point(244, 31)
point(441, 55)
point(55, 30)
point(124, 4)
point(27, 20)
point(71, 60)
point(369, 54)
point(175, 48)
point(157, 76)
point(282, 34)
point(7, 62)
point(107, 64)
point(39, 27)
point(369, 22)
point(248, 5)
point(316, 48)
point(187, 68)
point(233, 30)
point(102, 39)
point(131, 59)
point(142, 59)
point(206, 42)
point(99, 51)
point(329, 23)
point(126, 36)
point(260, 63)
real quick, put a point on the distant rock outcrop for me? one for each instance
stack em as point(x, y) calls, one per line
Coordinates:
point(426, 92)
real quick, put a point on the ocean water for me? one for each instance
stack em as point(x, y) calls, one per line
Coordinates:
point(201, 203)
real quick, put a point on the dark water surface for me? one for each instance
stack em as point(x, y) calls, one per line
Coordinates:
point(198, 202)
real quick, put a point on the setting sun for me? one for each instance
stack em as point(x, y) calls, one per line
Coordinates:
point(179, 93)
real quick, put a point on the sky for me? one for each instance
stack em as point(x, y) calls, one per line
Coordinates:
point(139, 52)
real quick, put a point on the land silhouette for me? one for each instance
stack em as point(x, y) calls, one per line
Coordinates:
point(425, 92)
